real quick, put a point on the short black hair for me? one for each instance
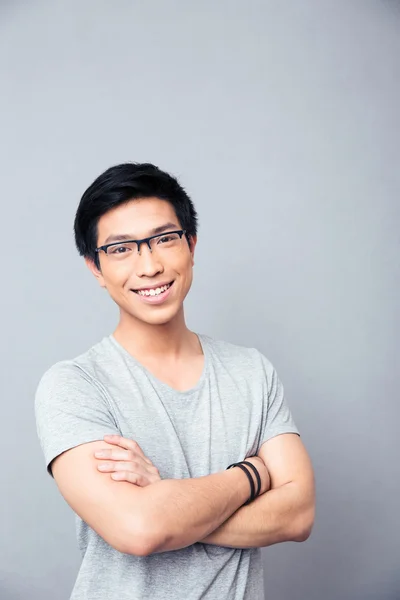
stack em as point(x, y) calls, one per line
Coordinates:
point(121, 184)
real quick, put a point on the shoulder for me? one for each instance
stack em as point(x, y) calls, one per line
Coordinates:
point(243, 357)
point(72, 374)
point(63, 373)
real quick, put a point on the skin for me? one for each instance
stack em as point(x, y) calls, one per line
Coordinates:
point(286, 513)
point(127, 462)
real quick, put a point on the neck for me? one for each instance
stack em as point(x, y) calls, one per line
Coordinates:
point(172, 339)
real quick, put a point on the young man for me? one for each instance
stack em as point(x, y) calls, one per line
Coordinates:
point(160, 515)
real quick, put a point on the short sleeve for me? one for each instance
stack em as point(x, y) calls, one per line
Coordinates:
point(70, 409)
point(277, 417)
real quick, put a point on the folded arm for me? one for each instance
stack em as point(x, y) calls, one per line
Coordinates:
point(286, 512)
point(166, 515)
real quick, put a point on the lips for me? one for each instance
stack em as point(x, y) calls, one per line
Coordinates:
point(154, 290)
point(154, 296)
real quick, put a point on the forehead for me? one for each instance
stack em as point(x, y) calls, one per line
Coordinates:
point(136, 218)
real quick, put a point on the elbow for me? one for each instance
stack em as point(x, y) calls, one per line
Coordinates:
point(304, 526)
point(135, 537)
point(134, 547)
point(144, 543)
point(303, 534)
point(143, 533)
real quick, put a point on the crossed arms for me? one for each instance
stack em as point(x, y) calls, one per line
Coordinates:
point(174, 513)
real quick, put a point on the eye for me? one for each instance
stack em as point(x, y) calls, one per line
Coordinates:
point(169, 239)
point(166, 238)
point(121, 249)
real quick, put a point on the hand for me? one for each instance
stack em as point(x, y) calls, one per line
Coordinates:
point(263, 472)
point(126, 462)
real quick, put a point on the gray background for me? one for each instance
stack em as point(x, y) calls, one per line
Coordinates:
point(282, 121)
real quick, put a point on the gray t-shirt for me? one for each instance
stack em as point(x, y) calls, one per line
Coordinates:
point(237, 404)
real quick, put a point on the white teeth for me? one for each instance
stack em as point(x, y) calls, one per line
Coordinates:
point(153, 292)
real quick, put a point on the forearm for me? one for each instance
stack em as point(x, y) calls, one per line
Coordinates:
point(188, 510)
point(282, 514)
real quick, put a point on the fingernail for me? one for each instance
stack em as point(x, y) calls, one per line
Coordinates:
point(100, 454)
point(102, 467)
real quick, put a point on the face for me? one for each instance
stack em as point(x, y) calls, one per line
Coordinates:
point(124, 278)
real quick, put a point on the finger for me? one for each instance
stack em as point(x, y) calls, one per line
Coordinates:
point(121, 466)
point(120, 454)
point(126, 476)
point(119, 440)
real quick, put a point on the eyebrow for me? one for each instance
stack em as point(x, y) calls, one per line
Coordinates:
point(120, 237)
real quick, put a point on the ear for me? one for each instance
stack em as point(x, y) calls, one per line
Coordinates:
point(192, 246)
point(96, 272)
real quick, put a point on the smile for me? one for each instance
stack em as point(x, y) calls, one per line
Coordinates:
point(154, 291)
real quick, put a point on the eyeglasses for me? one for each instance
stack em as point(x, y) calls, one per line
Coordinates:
point(161, 244)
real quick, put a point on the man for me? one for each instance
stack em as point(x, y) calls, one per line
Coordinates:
point(160, 514)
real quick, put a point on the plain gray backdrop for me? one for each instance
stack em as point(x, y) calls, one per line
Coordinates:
point(281, 119)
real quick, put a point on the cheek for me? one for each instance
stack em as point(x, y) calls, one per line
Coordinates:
point(185, 270)
point(116, 278)
point(182, 264)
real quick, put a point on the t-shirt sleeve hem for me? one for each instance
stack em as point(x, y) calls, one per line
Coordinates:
point(274, 433)
point(55, 451)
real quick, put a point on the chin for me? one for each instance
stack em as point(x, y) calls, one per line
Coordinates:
point(159, 323)
point(156, 317)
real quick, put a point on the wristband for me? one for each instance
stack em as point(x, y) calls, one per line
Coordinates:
point(253, 493)
point(249, 477)
point(256, 473)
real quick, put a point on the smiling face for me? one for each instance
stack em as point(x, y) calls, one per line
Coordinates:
point(138, 282)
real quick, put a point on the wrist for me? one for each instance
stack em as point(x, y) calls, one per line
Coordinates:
point(253, 477)
point(240, 485)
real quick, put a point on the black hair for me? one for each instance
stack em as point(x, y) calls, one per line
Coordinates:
point(121, 184)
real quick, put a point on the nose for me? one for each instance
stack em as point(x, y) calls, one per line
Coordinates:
point(148, 265)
